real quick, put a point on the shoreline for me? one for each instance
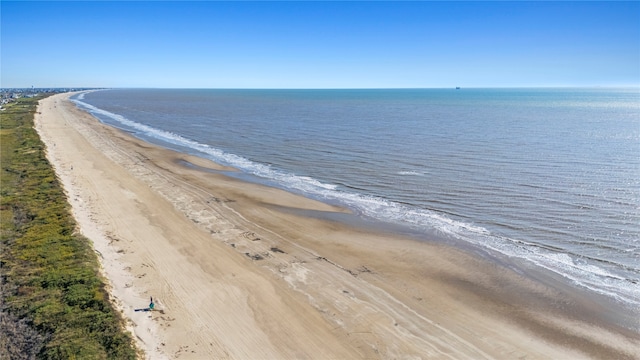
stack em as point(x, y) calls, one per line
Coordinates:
point(236, 277)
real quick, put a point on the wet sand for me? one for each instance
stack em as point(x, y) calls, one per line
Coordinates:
point(238, 270)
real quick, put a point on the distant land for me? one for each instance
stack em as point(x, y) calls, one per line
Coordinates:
point(8, 95)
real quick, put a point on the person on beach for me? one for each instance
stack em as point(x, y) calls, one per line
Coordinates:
point(151, 304)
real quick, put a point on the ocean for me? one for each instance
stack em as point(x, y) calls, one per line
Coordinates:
point(548, 178)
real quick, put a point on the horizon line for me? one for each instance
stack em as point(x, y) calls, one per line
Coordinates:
point(324, 88)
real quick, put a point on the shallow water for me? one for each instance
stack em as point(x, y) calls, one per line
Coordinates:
point(548, 176)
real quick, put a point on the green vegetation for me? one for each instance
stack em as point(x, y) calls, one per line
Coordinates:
point(53, 304)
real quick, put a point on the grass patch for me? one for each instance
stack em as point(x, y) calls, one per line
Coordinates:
point(53, 304)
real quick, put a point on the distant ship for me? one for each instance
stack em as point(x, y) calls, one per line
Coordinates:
point(457, 87)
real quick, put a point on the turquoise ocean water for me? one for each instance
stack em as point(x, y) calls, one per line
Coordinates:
point(549, 178)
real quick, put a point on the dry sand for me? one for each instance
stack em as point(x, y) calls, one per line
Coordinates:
point(242, 271)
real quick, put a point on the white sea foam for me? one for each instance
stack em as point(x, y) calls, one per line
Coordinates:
point(413, 173)
point(587, 275)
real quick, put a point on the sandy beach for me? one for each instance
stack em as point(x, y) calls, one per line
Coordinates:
point(243, 271)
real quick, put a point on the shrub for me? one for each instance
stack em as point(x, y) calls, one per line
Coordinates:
point(53, 303)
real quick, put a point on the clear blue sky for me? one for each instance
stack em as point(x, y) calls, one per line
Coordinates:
point(319, 44)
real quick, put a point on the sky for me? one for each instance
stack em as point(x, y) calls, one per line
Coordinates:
point(305, 44)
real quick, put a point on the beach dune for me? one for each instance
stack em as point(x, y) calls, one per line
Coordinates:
point(243, 271)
